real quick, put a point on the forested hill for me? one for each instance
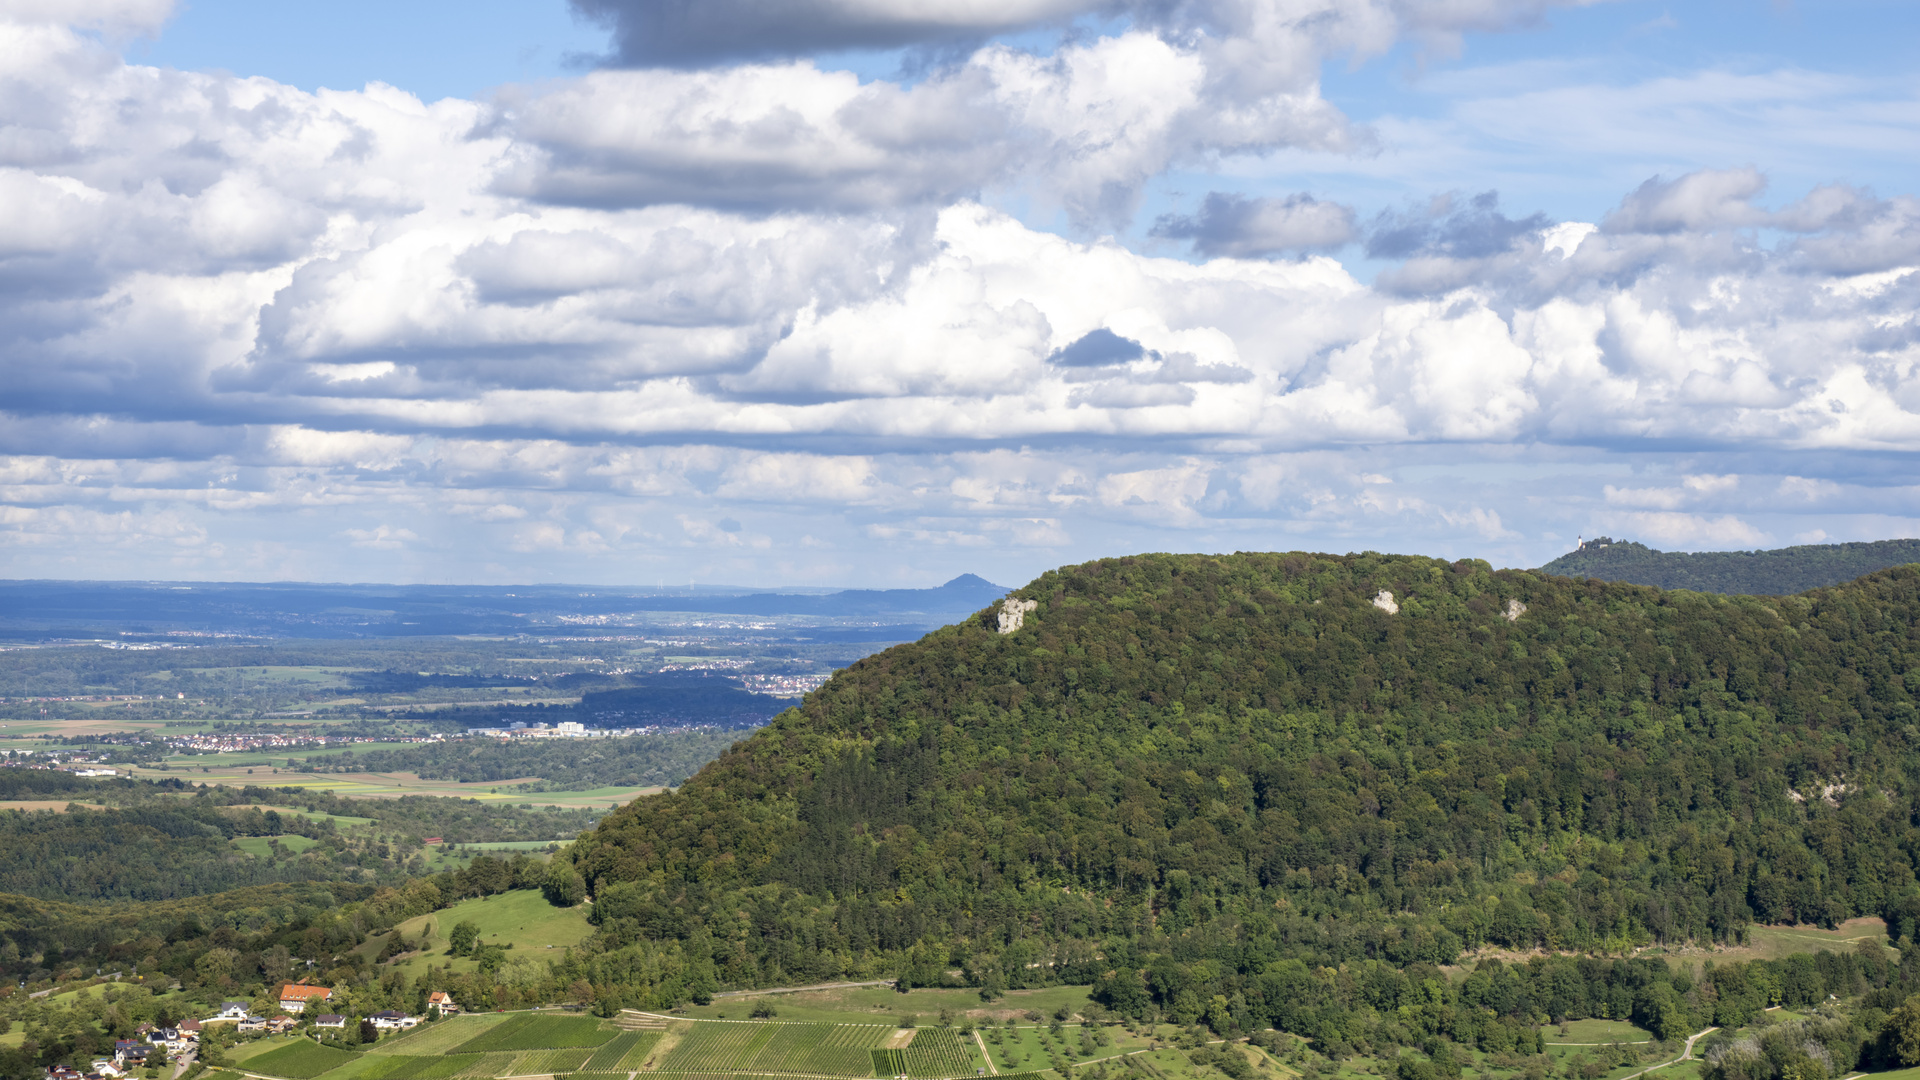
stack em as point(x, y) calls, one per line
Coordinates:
point(1226, 762)
point(1780, 572)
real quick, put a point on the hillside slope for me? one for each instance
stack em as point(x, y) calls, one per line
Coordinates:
point(1227, 761)
point(1780, 572)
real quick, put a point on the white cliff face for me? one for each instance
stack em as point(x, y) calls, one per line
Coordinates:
point(1385, 603)
point(1515, 609)
point(1013, 612)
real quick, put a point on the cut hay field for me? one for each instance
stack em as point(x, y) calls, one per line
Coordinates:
point(272, 772)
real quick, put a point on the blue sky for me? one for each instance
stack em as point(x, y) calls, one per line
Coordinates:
point(600, 292)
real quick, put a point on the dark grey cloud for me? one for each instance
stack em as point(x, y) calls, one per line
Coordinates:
point(693, 33)
point(1446, 227)
point(1234, 226)
point(1097, 348)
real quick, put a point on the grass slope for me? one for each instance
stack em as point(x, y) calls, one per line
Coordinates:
point(522, 918)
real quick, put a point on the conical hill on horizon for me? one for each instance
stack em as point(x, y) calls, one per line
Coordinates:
point(1224, 763)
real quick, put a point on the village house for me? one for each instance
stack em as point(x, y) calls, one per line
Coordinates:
point(229, 1010)
point(330, 1021)
point(253, 1023)
point(295, 996)
point(443, 1001)
point(390, 1020)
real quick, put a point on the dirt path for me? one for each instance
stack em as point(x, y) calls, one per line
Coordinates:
point(802, 989)
point(992, 1069)
point(1685, 1055)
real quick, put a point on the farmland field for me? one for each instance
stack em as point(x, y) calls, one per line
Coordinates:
point(301, 1060)
point(407, 1067)
point(535, 1062)
point(439, 1038)
point(628, 1045)
point(487, 1064)
point(939, 1052)
point(720, 1047)
point(831, 1049)
point(527, 1031)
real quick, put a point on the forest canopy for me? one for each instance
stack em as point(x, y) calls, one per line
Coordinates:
point(1226, 762)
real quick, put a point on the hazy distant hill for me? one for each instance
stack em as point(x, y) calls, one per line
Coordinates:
point(307, 610)
point(1781, 572)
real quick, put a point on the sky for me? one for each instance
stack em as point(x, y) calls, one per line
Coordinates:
point(872, 293)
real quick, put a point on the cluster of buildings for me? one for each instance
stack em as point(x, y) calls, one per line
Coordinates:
point(783, 685)
point(565, 729)
point(219, 742)
point(151, 1043)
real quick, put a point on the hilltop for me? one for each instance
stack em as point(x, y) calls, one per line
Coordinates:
point(1212, 764)
point(1781, 572)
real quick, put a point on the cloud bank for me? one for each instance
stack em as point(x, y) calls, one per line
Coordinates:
point(726, 313)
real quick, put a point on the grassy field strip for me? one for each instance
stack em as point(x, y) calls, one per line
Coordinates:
point(992, 1069)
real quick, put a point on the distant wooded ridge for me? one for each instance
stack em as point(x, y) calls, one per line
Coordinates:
point(1780, 572)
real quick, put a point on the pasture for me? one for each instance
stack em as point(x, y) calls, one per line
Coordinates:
point(1595, 1031)
point(261, 847)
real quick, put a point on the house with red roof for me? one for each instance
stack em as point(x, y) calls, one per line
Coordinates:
point(294, 997)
